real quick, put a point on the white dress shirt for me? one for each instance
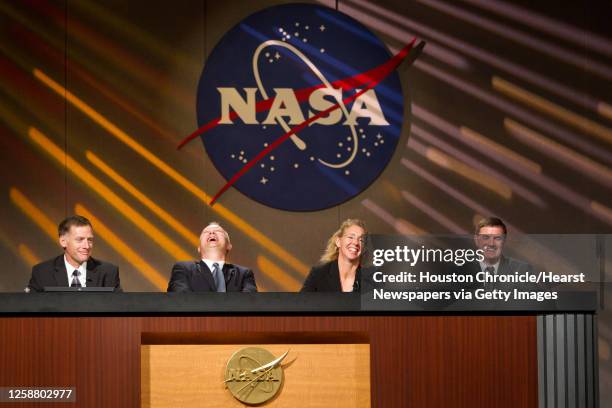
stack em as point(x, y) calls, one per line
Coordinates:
point(495, 267)
point(82, 269)
point(210, 263)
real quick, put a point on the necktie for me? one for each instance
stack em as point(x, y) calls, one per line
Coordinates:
point(491, 271)
point(218, 277)
point(76, 283)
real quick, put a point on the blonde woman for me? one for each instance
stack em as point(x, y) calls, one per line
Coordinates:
point(340, 267)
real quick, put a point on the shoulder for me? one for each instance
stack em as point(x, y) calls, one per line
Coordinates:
point(324, 268)
point(510, 260)
point(467, 268)
point(49, 264)
point(185, 266)
point(102, 265)
point(321, 271)
point(517, 264)
point(320, 277)
point(239, 268)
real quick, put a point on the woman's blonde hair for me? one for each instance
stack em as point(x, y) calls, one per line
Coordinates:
point(331, 251)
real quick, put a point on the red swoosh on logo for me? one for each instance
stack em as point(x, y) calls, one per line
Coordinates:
point(369, 78)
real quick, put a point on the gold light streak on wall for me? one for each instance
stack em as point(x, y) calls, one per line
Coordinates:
point(28, 255)
point(9, 243)
point(9, 118)
point(391, 190)
point(119, 101)
point(84, 35)
point(602, 209)
point(476, 219)
point(26, 21)
point(107, 194)
point(151, 274)
point(34, 213)
point(275, 273)
point(432, 212)
point(54, 50)
point(552, 109)
point(486, 181)
point(142, 39)
point(477, 138)
point(399, 224)
point(230, 216)
point(405, 227)
point(604, 110)
point(39, 218)
point(146, 201)
point(557, 150)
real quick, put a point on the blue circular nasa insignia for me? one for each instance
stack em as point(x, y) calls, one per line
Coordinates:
point(279, 68)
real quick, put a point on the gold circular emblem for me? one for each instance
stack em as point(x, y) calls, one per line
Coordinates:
point(253, 375)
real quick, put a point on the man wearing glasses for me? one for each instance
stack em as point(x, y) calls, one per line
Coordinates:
point(490, 237)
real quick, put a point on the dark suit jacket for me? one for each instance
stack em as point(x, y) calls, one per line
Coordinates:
point(53, 273)
point(507, 266)
point(326, 278)
point(194, 276)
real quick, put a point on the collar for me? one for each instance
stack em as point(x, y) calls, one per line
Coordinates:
point(210, 263)
point(495, 266)
point(69, 268)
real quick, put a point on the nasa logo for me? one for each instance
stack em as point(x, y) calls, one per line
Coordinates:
point(253, 375)
point(299, 71)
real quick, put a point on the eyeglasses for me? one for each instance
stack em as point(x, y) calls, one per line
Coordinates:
point(496, 238)
point(353, 238)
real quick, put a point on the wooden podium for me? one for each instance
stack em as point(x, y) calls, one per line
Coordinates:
point(150, 350)
point(315, 375)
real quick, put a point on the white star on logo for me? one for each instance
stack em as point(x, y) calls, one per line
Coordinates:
point(263, 180)
point(322, 28)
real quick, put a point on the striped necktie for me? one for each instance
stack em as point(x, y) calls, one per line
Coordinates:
point(76, 283)
point(218, 277)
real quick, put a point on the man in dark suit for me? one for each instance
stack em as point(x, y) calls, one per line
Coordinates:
point(490, 237)
point(76, 267)
point(212, 273)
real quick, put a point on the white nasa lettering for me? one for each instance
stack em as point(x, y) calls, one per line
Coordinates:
point(317, 101)
point(245, 109)
point(285, 104)
point(366, 105)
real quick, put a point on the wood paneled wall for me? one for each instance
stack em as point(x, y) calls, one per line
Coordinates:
point(416, 361)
